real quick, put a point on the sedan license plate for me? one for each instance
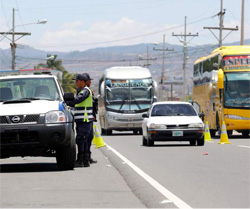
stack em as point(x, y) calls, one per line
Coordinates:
point(130, 125)
point(177, 133)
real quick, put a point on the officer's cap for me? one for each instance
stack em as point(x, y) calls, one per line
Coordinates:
point(81, 77)
point(88, 76)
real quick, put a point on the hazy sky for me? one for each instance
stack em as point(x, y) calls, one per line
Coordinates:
point(84, 24)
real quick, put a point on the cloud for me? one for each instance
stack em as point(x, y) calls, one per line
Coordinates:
point(77, 36)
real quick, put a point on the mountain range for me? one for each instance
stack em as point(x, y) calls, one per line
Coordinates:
point(96, 60)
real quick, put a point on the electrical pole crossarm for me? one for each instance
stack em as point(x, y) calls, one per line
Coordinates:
point(16, 33)
point(185, 35)
point(217, 28)
point(163, 49)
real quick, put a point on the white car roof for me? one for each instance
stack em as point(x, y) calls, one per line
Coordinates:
point(26, 76)
point(171, 102)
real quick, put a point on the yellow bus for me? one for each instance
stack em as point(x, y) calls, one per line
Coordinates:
point(221, 88)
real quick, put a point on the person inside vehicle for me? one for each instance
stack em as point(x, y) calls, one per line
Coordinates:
point(232, 90)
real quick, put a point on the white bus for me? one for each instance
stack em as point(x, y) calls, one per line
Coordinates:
point(124, 94)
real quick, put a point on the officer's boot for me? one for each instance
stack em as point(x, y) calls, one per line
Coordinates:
point(91, 160)
point(86, 159)
point(79, 161)
point(78, 157)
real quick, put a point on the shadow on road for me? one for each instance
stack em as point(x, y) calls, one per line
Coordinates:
point(170, 145)
point(28, 167)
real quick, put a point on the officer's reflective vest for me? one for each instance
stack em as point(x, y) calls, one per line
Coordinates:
point(84, 111)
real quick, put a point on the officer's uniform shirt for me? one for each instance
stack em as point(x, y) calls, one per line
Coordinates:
point(80, 97)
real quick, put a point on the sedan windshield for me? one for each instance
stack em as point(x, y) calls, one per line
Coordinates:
point(173, 110)
point(28, 89)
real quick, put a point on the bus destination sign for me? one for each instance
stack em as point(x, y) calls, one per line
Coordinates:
point(236, 62)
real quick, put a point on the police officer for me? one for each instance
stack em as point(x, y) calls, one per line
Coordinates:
point(94, 100)
point(83, 114)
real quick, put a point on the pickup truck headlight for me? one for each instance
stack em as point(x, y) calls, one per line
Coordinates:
point(157, 126)
point(196, 125)
point(55, 117)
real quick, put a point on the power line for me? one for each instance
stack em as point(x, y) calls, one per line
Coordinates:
point(185, 35)
point(221, 26)
point(124, 39)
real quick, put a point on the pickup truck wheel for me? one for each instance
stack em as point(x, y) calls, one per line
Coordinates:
point(66, 156)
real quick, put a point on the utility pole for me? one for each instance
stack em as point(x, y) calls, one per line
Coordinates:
point(147, 59)
point(221, 26)
point(242, 22)
point(164, 49)
point(13, 44)
point(185, 54)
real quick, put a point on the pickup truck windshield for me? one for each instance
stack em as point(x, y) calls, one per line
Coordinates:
point(28, 89)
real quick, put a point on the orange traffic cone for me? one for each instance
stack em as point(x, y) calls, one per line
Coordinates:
point(207, 135)
point(223, 135)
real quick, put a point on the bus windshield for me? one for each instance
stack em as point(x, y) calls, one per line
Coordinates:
point(129, 95)
point(237, 90)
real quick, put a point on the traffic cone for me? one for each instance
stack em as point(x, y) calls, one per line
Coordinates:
point(97, 139)
point(223, 135)
point(207, 135)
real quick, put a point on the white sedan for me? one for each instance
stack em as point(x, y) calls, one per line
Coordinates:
point(172, 121)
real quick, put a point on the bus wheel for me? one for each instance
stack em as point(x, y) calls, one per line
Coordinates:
point(104, 131)
point(150, 143)
point(144, 141)
point(245, 134)
point(109, 132)
point(212, 132)
point(229, 133)
point(135, 132)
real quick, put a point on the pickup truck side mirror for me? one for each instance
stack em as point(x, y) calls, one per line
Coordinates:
point(68, 97)
point(145, 115)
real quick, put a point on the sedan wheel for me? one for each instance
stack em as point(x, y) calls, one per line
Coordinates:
point(192, 142)
point(200, 142)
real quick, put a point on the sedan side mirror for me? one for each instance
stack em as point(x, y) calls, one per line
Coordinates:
point(68, 97)
point(145, 115)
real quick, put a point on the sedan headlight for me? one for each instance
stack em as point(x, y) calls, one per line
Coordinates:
point(55, 117)
point(236, 117)
point(196, 125)
point(157, 126)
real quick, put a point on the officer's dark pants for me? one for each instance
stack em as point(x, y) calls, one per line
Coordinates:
point(83, 137)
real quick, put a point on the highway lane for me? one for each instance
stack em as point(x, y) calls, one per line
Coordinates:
point(36, 182)
point(211, 176)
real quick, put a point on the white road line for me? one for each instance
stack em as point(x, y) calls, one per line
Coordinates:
point(169, 195)
point(244, 146)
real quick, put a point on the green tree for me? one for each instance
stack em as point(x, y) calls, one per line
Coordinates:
point(52, 63)
point(65, 79)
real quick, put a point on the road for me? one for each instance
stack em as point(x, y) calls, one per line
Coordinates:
point(168, 175)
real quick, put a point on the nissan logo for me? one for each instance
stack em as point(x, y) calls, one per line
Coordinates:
point(15, 119)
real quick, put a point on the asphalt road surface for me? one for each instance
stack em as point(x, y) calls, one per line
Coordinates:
point(129, 175)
